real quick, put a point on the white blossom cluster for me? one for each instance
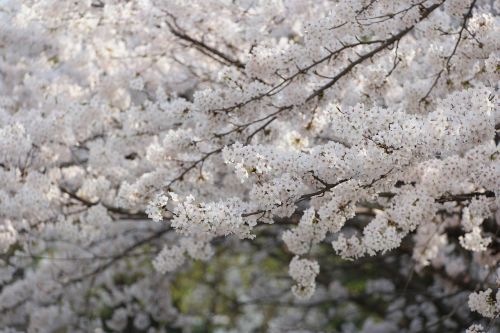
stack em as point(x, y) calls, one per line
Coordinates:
point(8, 236)
point(485, 303)
point(308, 233)
point(155, 209)
point(475, 328)
point(303, 271)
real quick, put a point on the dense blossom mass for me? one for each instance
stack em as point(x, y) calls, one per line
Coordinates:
point(249, 166)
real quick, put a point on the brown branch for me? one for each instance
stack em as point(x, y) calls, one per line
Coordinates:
point(370, 54)
point(466, 16)
point(121, 255)
point(464, 196)
point(124, 213)
point(176, 31)
point(192, 166)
